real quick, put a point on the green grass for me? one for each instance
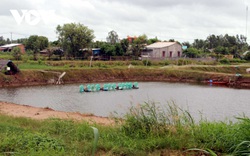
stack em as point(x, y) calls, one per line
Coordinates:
point(147, 129)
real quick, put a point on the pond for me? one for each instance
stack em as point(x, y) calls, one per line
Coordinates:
point(214, 103)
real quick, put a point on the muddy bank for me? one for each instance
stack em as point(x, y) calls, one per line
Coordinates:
point(46, 113)
point(39, 77)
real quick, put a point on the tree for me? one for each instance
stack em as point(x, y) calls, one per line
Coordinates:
point(118, 50)
point(124, 45)
point(212, 41)
point(186, 44)
point(153, 40)
point(108, 49)
point(241, 41)
point(74, 37)
point(139, 44)
point(112, 37)
point(192, 52)
point(3, 41)
point(21, 40)
point(36, 43)
point(221, 50)
point(171, 40)
point(199, 44)
point(16, 53)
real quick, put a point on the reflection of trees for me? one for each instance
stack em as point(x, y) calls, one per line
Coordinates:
point(11, 93)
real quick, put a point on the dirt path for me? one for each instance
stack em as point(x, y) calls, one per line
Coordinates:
point(45, 113)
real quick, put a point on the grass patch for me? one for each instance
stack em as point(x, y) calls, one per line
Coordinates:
point(147, 129)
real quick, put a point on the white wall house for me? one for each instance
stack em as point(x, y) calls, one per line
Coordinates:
point(163, 50)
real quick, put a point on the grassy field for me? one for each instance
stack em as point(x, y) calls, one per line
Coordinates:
point(145, 130)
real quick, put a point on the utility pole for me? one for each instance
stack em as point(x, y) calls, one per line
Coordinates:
point(246, 19)
point(10, 37)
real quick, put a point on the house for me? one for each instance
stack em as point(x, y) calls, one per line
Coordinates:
point(131, 39)
point(50, 51)
point(9, 47)
point(8, 67)
point(96, 51)
point(162, 50)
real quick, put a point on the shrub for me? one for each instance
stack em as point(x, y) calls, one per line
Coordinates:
point(237, 60)
point(16, 53)
point(146, 62)
point(149, 120)
point(134, 63)
point(224, 61)
point(164, 63)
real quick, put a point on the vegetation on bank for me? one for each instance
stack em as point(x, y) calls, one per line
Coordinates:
point(42, 63)
point(183, 70)
point(146, 130)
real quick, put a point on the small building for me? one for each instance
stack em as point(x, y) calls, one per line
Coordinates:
point(96, 51)
point(44, 52)
point(8, 67)
point(9, 47)
point(131, 39)
point(162, 50)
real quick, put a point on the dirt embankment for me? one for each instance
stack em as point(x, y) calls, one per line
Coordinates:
point(46, 113)
point(36, 77)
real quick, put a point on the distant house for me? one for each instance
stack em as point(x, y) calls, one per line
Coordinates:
point(44, 52)
point(162, 50)
point(53, 50)
point(96, 51)
point(9, 47)
point(131, 39)
point(184, 47)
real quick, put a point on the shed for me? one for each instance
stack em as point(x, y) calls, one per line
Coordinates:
point(163, 50)
point(8, 67)
point(9, 47)
point(96, 51)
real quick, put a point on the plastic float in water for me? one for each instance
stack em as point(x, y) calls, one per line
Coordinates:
point(108, 87)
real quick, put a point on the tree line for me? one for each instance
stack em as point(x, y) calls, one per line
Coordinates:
point(219, 45)
point(76, 41)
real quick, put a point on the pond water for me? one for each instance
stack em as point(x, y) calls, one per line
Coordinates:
point(214, 103)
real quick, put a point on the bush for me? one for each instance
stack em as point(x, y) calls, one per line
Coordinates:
point(224, 61)
point(150, 120)
point(146, 62)
point(16, 53)
point(236, 60)
point(134, 63)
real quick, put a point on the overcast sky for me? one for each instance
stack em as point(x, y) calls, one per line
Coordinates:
point(182, 20)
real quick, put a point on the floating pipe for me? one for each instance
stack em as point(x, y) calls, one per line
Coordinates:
point(108, 87)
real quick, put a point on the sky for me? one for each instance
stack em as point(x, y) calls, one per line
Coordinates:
point(181, 20)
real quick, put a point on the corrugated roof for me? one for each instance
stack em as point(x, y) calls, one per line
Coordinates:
point(10, 45)
point(160, 44)
point(3, 63)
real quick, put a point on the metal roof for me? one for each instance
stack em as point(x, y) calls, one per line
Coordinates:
point(245, 53)
point(160, 44)
point(3, 63)
point(10, 45)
